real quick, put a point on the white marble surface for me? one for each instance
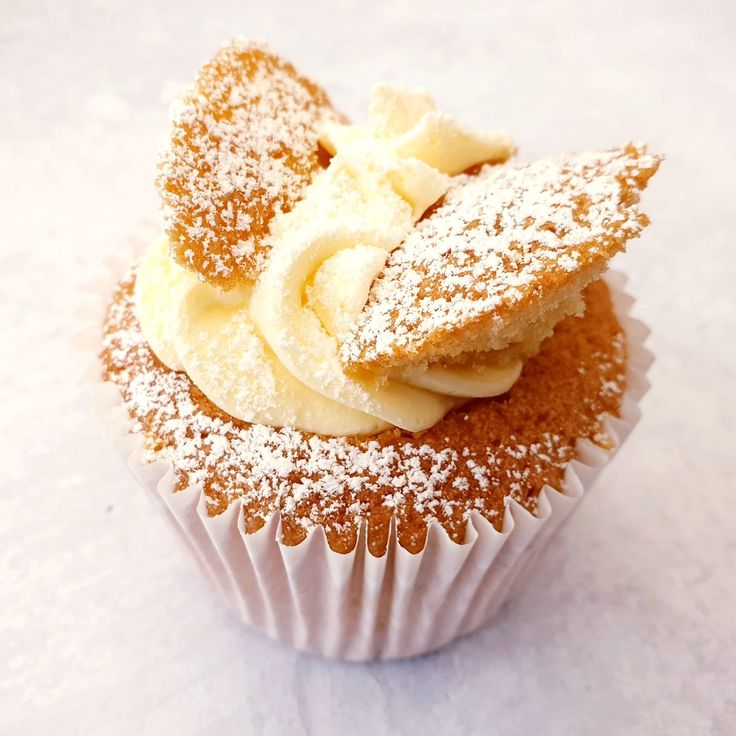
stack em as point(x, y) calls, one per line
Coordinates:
point(629, 624)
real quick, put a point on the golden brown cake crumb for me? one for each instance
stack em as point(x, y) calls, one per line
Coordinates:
point(243, 148)
point(477, 458)
point(501, 258)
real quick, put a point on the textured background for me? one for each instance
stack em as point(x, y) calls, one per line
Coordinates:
point(629, 624)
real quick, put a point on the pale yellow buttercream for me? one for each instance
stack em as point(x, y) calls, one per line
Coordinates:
point(269, 353)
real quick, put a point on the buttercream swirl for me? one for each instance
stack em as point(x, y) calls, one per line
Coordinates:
point(269, 352)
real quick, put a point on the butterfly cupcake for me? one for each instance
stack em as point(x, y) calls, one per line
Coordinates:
point(369, 369)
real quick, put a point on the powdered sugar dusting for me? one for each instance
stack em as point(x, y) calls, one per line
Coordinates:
point(499, 239)
point(243, 148)
point(333, 482)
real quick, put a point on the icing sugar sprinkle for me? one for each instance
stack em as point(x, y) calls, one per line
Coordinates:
point(493, 242)
point(244, 145)
point(333, 482)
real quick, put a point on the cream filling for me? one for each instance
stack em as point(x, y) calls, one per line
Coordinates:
point(268, 353)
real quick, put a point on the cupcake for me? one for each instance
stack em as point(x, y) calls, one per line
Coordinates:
point(369, 369)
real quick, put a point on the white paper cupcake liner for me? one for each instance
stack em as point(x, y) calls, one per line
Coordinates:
point(357, 606)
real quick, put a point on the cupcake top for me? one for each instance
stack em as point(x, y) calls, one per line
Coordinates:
point(295, 319)
point(475, 460)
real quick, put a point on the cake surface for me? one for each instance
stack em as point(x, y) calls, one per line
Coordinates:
point(476, 458)
point(243, 147)
point(501, 258)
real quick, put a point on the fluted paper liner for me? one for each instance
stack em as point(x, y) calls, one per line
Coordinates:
point(357, 606)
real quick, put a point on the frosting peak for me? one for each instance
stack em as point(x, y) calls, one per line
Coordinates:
point(270, 352)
